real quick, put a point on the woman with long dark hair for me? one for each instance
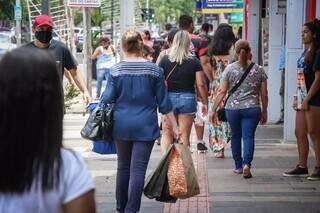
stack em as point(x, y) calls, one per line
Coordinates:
point(37, 173)
point(243, 107)
point(307, 104)
point(221, 52)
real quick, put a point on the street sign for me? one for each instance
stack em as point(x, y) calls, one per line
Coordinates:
point(17, 12)
point(216, 4)
point(236, 18)
point(84, 3)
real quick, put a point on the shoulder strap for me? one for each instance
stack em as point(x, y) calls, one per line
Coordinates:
point(244, 75)
point(171, 71)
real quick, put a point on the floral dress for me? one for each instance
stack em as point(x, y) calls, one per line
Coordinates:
point(301, 85)
point(219, 132)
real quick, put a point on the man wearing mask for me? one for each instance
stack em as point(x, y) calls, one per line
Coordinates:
point(42, 29)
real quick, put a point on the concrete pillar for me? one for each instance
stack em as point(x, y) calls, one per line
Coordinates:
point(295, 20)
point(254, 16)
point(276, 42)
point(126, 15)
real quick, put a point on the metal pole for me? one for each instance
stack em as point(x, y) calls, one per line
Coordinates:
point(148, 14)
point(126, 14)
point(112, 19)
point(87, 47)
point(126, 17)
point(18, 26)
point(71, 28)
point(45, 7)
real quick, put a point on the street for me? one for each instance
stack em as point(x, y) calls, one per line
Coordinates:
point(266, 192)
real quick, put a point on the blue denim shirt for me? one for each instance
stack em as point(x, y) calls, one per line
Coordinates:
point(137, 89)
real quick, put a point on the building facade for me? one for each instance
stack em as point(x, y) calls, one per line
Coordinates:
point(285, 20)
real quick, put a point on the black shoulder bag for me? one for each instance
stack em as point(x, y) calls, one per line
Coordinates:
point(221, 113)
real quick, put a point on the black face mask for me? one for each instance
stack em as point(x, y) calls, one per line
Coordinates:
point(43, 36)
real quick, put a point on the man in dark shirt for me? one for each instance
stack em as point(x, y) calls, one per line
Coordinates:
point(200, 51)
point(42, 28)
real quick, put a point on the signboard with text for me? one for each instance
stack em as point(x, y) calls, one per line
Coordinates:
point(17, 12)
point(222, 4)
point(84, 3)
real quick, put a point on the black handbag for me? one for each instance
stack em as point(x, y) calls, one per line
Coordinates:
point(221, 113)
point(99, 125)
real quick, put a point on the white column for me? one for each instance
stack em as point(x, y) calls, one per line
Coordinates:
point(276, 42)
point(254, 27)
point(126, 14)
point(295, 20)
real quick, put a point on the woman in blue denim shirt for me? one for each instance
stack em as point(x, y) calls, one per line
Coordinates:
point(137, 88)
point(183, 73)
point(243, 108)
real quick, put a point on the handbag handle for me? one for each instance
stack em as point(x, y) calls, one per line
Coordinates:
point(235, 87)
point(171, 71)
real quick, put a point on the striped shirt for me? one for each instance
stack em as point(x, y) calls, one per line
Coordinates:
point(137, 89)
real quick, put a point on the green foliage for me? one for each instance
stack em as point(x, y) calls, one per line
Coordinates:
point(171, 10)
point(7, 11)
point(70, 92)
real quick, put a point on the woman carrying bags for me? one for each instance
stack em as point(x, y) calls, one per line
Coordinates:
point(243, 110)
point(182, 72)
point(137, 88)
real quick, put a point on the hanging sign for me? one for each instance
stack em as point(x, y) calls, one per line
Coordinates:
point(84, 3)
point(17, 12)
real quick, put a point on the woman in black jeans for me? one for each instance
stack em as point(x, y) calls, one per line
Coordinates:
point(243, 108)
point(137, 88)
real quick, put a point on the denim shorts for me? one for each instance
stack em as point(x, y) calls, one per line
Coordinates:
point(183, 103)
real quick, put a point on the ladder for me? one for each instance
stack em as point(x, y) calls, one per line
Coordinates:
point(58, 11)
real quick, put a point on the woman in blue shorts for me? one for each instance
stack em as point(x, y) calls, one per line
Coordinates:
point(182, 72)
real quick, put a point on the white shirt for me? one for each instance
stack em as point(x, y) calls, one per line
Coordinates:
point(75, 182)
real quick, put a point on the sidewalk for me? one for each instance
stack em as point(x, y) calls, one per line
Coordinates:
point(267, 191)
point(226, 192)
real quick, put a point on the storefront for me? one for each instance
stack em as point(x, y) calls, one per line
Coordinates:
point(285, 19)
point(221, 11)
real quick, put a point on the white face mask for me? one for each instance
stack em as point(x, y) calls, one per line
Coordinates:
point(211, 33)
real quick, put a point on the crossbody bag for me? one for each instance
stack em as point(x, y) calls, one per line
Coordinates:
point(221, 113)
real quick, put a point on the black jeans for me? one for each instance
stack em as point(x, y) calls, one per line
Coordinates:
point(133, 159)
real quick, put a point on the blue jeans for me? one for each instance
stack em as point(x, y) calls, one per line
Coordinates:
point(183, 102)
point(133, 159)
point(243, 123)
point(101, 74)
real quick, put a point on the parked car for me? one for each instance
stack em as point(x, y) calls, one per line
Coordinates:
point(6, 42)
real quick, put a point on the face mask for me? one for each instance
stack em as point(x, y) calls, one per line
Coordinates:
point(43, 36)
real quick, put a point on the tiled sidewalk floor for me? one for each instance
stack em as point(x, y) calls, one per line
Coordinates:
point(266, 192)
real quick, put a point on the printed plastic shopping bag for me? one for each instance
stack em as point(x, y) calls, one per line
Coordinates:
point(183, 181)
